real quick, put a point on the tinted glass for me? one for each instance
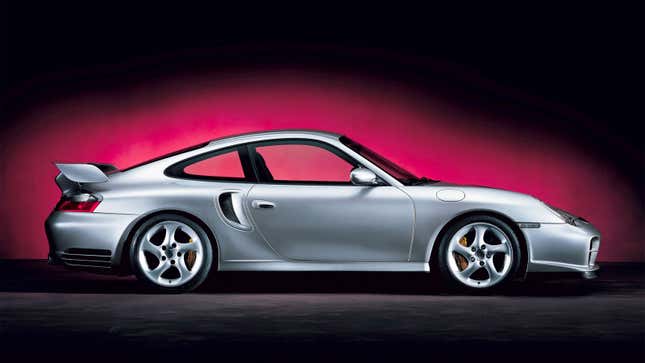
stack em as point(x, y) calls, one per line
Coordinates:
point(303, 162)
point(389, 167)
point(227, 165)
point(181, 151)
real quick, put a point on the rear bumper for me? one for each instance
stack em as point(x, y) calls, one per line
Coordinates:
point(87, 240)
point(563, 247)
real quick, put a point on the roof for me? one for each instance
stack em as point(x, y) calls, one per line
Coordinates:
point(284, 133)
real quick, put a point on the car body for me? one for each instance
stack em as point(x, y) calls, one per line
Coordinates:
point(258, 223)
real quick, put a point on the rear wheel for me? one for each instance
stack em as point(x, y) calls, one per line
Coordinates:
point(479, 252)
point(171, 253)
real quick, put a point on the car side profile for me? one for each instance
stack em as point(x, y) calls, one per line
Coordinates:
point(302, 201)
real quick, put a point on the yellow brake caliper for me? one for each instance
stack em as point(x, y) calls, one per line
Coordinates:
point(461, 260)
point(190, 256)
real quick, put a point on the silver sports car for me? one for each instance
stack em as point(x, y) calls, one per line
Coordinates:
point(302, 201)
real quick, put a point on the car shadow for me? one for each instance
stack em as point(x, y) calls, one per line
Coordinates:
point(37, 276)
point(382, 283)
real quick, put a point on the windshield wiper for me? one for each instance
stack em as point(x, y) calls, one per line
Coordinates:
point(422, 180)
point(419, 181)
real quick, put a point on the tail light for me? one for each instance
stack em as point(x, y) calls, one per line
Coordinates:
point(78, 203)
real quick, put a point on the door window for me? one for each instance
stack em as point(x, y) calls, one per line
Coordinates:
point(300, 162)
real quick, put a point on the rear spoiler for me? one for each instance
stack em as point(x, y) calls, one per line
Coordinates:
point(72, 176)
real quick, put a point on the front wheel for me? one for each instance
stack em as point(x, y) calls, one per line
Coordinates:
point(171, 253)
point(479, 252)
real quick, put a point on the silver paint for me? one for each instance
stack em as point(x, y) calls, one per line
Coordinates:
point(389, 227)
point(335, 222)
point(451, 195)
point(82, 173)
point(363, 176)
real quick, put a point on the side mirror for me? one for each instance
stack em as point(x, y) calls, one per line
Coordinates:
point(363, 176)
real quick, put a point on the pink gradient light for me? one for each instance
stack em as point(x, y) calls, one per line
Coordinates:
point(312, 164)
point(423, 135)
point(223, 165)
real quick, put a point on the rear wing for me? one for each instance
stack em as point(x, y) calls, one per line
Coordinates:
point(72, 176)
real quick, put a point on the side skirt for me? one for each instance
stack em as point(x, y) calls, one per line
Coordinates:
point(277, 265)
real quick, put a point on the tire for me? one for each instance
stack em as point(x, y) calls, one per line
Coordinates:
point(498, 253)
point(171, 253)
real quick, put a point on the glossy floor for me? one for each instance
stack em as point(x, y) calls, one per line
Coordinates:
point(54, 312)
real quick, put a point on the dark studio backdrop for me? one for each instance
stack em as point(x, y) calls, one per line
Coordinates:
point(545, 99)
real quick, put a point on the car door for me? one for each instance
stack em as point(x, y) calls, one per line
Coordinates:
point(307, 209)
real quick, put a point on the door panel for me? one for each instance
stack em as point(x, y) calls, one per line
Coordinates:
point(333, 222)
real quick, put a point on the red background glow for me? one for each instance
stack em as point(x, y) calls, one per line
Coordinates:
point(226, 165)
point(420, 133)
point(313, 163)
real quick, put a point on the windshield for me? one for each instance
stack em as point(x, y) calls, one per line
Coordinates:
point(400, 174)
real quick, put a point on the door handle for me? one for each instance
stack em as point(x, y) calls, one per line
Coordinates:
point(262, 204)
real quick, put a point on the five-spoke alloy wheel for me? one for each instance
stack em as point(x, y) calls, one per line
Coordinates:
point(479, 252)
point(171, 252)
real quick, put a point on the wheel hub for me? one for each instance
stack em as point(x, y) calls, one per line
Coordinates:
point(480, 253)
point(471, 252)
point(169, 257)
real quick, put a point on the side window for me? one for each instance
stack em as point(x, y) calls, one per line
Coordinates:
point(293, 162)
point(226, 165)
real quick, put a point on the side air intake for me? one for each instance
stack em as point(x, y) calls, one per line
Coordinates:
point(594, 246)
point(226, 203)
point(232, 210)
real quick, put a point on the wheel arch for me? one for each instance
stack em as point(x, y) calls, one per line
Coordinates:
point(125, 243)
point(433, 260)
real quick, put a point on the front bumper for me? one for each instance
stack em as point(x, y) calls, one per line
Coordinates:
point(561, 247)
point(88, 240)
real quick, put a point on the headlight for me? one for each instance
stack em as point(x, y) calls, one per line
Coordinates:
point(566, 216)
